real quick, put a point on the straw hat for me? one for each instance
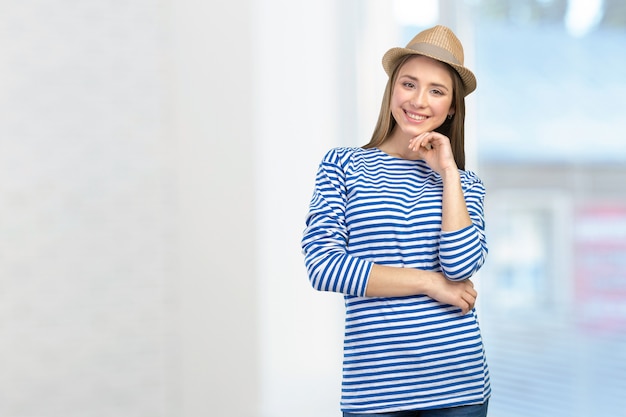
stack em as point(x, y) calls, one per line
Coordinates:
point(439, 43)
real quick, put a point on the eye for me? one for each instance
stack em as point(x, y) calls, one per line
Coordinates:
point(408, 84)
point(437, 92)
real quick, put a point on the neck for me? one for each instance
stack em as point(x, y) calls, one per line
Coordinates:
point(398, 146)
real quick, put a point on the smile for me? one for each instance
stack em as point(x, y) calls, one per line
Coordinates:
point(415, 117)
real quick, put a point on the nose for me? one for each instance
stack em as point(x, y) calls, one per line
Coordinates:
point(419, 99)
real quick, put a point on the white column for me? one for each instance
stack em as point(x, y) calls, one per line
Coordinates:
point(297, 62)
point(213, 100)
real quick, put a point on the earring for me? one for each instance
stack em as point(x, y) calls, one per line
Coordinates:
point(450, 116)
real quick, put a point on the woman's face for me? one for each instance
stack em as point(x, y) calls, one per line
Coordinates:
point(422, 96)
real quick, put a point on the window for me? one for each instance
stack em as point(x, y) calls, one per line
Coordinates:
point(548, 129)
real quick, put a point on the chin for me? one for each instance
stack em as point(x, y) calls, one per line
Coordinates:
point(415, 131)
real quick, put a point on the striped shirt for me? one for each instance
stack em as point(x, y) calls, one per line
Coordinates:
point(400, 353)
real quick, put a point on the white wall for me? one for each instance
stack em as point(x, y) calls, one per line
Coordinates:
point(86, 210)
point(156, 162)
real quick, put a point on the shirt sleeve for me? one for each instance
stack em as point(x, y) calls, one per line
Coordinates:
point(463, 252)
point(325, 238)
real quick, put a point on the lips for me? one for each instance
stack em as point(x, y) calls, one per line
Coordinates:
point(416, 117)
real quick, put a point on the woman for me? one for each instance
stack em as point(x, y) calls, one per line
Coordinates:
point(397, 226)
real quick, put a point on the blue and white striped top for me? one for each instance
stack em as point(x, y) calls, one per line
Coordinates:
point(400, 353)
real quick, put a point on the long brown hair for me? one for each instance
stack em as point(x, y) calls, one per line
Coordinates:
point(453, 128)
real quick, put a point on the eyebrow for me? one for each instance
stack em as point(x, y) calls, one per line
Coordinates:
point(432, 84)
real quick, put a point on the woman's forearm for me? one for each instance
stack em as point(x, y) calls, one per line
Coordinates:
point(454, 214)
point(389, 281)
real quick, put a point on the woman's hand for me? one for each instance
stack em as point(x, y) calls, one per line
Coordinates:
point(435, 149)
point(460, 294)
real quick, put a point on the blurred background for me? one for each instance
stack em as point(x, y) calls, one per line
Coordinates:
point(156, 162)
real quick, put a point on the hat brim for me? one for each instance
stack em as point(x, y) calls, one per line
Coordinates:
point(392, 56)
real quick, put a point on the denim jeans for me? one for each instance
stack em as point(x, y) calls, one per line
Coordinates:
point(479, 410)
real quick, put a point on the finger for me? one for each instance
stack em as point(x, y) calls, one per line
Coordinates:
point(469, 298)
point(425, 142)
point(466, 308)
point(416, 143)
point(417, 139)
point(414, 138)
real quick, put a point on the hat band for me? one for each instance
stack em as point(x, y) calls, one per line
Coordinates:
point(435, 51)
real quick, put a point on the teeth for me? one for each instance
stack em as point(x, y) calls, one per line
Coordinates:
point(416, 116)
